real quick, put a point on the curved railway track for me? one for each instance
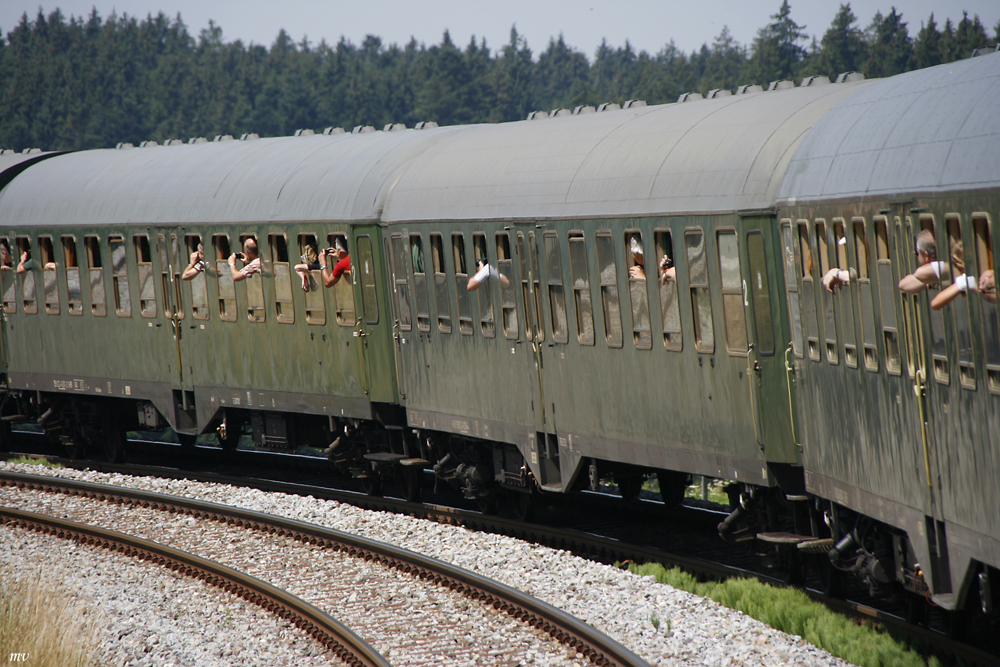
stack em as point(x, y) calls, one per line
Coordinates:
point(564, 628)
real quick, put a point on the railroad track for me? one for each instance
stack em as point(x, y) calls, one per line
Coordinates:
point(562, 627)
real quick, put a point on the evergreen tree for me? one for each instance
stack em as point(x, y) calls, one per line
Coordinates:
point(513, 80)
point(561, 75)
point(776, 50)
point(842, 46)
point(969, 35)
point(890, 48)
point(726, 63)
point(927, 50)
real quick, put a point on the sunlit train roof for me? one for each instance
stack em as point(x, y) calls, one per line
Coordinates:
point(932, 130)
point(709, 155)
point(336, 177)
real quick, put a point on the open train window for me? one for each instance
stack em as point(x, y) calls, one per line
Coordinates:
point(8, 280)
point(440, 284)
point(887, 290)
point(638, 295)
point(846, 295)
point(939, 352)
point(283, 306)
point(508, 293)
point(608, 271)
point(807, 264)
point(701, 297)
point(731, 279)
point(50, 280)
point(862, 255)
point(960, 305)
point(74, 290)
point(402, 287)
point(419, 282)
point(760, 294)
point(254, 283)
point(791, 284)
point(826, 298)
point(29, 295)
point(314, 296)
point(487, 322)
point(144, 272)
point(581, 288)
point(666, 273)
point(905, 253)
point(95, 275)
point(343, 291)
point(460, 262)
point(119, 276)
point(227, 288)
point(198, 284)
point(557, 297)
point(988, 299)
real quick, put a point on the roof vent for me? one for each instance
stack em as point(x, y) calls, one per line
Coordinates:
point(985, 51)
point(394, 127)
point(749, 89)
point(7, 151)
point(303, 133)
point(850, 77)
point(333, 130)
point(817, 80)
point(537, 115)
point(31, 151)
point(609, 106)
point(223, 137)
point(560, 112)
point(717, 93)
point(690, 97)
point(124, 145)
point(362, 129)
point(249, 136)
point(634, 104)
point(425, 125)
point(582, 109)
point(197, 140)
point(149, 144)
point(173, 142)
point(780, 84)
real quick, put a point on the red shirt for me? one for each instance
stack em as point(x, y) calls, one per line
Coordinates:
point(342, 266)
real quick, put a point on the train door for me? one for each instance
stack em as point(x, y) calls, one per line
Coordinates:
point(772, 387)
point(373, 327)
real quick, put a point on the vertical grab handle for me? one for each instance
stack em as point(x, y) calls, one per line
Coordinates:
point(789, 379)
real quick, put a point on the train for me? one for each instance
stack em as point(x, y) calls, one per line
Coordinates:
point(858, 428)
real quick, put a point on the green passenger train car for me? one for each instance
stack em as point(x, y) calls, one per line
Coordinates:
point(536, 307)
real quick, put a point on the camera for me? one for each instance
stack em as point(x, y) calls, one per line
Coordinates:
point(666, 263)
point(240, 256)
point(328, 251)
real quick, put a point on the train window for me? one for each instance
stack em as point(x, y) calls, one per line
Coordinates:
point(761, 297)
point(862, 257)
point(791, 285)
point(227, 288)
point(557, 297)
point(581, 288)
point(486, 320)
point(887, 291)
point(29, 295)
point(74, 290)
point(609, 289)
point(701, 297)
point(419, 282)
point(284, 308)
point(119, 276)
point(8, 282)
point(144, 272)
point(670, 313)
point(198, 284)
point(638, 296)
point(366, 272)
point(439, 269)
point(808, 268)
point(314, 296)
point(939, 353)
point(536, 278)
point(170, 279)
point(960, 306)
point(904, 244)
point(461, 284)
point(826, 298)
point(254, 284)
point(988, 300)
point(845, 296)
point(732, 293)
point(50, 280)
point(399, 282)
point(343, 291)
point(508, 293)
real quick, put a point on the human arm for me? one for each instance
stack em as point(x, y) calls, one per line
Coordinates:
point(195, 266)
point(962, 284)
point(637, 272)
point(25, 264)
point(476, 281)
point(836, 278)
point(987, 287)
point(236, 273)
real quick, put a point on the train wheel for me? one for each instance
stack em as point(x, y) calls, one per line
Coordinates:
point(187, 440)
point(488, 505)
point(76, 446)
point(831, 580)
point(629, 486)
point(372, 483)
point(113, 439)
point(228, 433)
point(523, 505)
point(5, 436)
point(412, 490)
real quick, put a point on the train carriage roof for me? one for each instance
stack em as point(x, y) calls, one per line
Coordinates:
point(930, 130)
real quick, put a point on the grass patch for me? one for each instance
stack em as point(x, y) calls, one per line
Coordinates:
point(40, 621)
point(34, 462)
point(792, 611)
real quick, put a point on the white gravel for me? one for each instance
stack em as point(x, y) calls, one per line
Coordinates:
point(692, 630)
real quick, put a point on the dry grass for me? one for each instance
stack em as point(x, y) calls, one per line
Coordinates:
point(42, 621)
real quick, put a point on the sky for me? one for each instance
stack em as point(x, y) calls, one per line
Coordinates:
point(647, 24)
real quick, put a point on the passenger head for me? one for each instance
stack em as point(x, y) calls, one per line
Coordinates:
point(340, 245)
point(635, 247)
point(957, 257)
point(481, 262)
point(5, 257)
point(309, 255)
point(250, 248)
point(926, 247)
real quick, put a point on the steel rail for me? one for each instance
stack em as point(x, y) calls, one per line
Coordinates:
point(325, 629)
point(568, 630)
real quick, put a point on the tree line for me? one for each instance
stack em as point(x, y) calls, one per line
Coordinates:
point(90, 83)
